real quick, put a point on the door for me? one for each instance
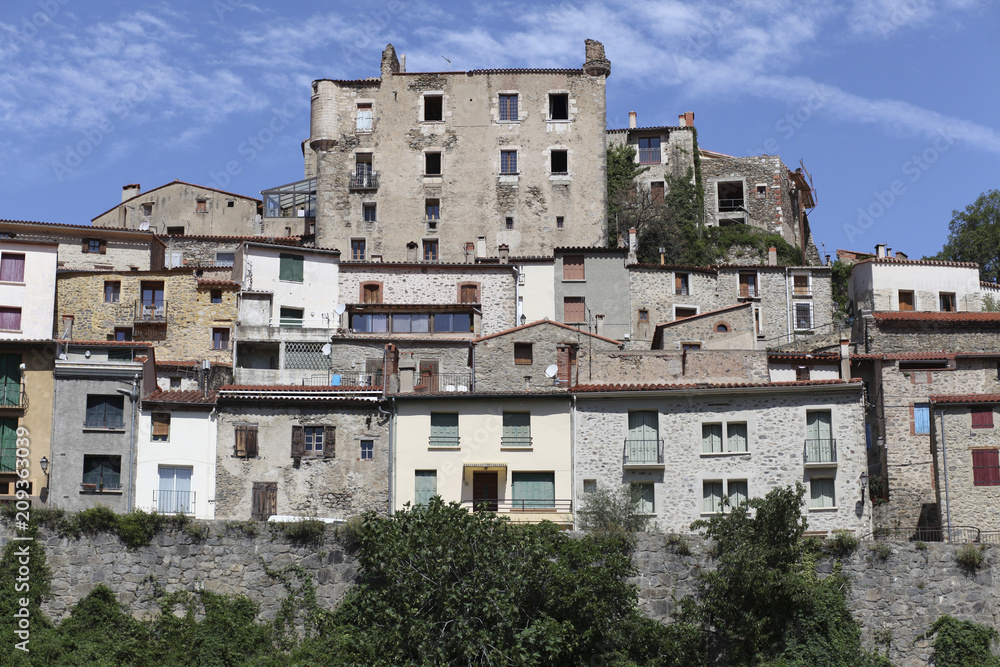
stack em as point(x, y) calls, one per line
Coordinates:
point(819, 437)
point(484, 491)
point(643, 436)
point(10, 379)
point(264, 501)
point(152, 300)
point(174, 495)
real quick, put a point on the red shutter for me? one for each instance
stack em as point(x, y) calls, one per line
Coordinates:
point(985, 467)
point(104, 247)
point(573, 267)
point(982, 417)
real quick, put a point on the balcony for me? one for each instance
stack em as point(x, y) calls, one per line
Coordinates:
point(363, 181)
point(450, 441)
point(801, 290)
point(104, 422)
point(749, 292)
point(525, 511)
point(726, 205)
point(649, 156)
point(681, 291)
point(820, 453)
point(173, 502)
point(516, 441)
point(346, 379)
point(643, 454)
point(438, 382)
point(150, 312)
point(13, 396)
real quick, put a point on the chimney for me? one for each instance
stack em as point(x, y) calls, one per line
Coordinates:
point(596, 63)
point(407, 371)
point(900, 255)
point(880, 250)
point(632, 244)
point(772, 256)
point(504, 253)
point(686, 119)
point(599, 325)
point(470, 252)
point(480, 246)
point(631, 120)
point(130, 190)
point(67, 326)
point(411, 251)
point(390, 63)
point(845, 359)
point(402, 62)
point(527, 383)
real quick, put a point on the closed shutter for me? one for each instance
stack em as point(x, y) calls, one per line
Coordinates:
point(642, 495)
point(329, 441)
point(656, 191)
point(468, 294)
point(373, 294)
point(290, 267)
point(574, 309)
point(240, 441)
point(906, 300)
point(104, 247)
point(425, 486)
point(921, 418)
point(298, 441)
point(86, 245)
point(711, 439)
point(516, 429)
point(534, 490)
point(444, 429)
point(822, 492)
point(251, 441)
point(8, 444)
point(736, 435)
point(161, 426)
point(265, 500)
point(818, 426)
point(10, 379)
point(573, 268)
point(712, 497)
point(982, 417)
point(737, 493)
point(643, 425)
point(985, 467)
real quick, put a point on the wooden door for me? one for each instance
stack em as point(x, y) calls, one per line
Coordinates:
point(484, 491)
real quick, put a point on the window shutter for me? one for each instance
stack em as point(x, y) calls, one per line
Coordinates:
point(711, 439)
point(161, 425)
point(86, 245)
point(241, 441)
point(298, 441)
point(252, 441)
point(573, 268)
point(737, 435)
point(104, 247)
point(425, 486)
point(921, 418)
point(982, 417)
point(329, 441)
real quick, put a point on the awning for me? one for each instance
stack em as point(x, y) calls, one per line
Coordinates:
point(485, 465)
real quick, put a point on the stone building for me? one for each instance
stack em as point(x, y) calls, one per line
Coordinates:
point(760, 191)
point(510, 157)
point(687, 449)
point(301, 451)
point(97, 385)
point(663, 150)
point(183, 208)
point(212, 251)
point(82, 247)
point(183, 314)
point(27, 288)
point(729, 328)
point(26, 404)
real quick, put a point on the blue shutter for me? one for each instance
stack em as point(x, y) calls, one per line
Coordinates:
point(425, 483)
point(534, 490)
point(921, 418)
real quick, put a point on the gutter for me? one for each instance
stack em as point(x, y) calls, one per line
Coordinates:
point(944, 456)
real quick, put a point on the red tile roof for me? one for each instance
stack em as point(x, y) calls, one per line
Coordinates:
point(676, 267)
point(708, 385)
point(552, 322)
point(965, 398)
point(803, 356)
point(906, 356)
point(218, 283)
point(105, 343)
point(194, 397)
point(944, 318)
point(188, 363)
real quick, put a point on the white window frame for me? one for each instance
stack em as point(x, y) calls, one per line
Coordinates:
point(357, 115)
point(697, 308)
point(725, 437)
point(809, 284)
point(795, 316)
point(833, 482)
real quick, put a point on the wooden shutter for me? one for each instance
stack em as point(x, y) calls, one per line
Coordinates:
point(425, 486)
point(982, 417)
point(574, 309)
point(573, 268)
point(86, 245)
point(468, 294)
point(298, 441)
point(161, 425)
point(329, 441)
point(643, 425)
point(656, 191)
point(251, 441)
point(921, 418)
point(712, 497)
point(533, 490)
point(736, 436)
point(985, 467)
point(905, 300)
point(104, 247)
point(265, 500)
point(241, 441)
point(818, 426)
point(711, 439)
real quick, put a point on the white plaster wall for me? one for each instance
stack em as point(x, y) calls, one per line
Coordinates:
point(538, 291)
point(192, 443)
point(36, 296)
point(926, 282)
point(786, 372)
point(317, 294)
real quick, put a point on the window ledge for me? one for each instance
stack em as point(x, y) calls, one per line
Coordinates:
point(560, 177)
point(98, 429)
point(12, 282)
point(708, 455)
point(507, 122)
point(824, 509)
point(432, 122)
point(105, 492)
point(574, 280)
point(562, 121)
point(433, 179)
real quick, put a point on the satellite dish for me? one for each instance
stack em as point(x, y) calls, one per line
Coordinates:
point(551, 371)
point(340, 308)
point(327, 349)
point(144, 225)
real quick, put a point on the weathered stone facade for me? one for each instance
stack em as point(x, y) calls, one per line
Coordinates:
point(664, 366)
point(674, 156)
point(338, 484)
point(83, 247)
point(725, 329)
point(394, 123)
point(890, 333)
point(184, 328)
point(203, 251)
point(955, 436)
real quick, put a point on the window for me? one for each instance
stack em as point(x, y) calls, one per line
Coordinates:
point(649, 151)
point(508, 162)
point(982, 417)
point(432, 164)
point(711, 438)
point(560, 162)
point(558, 106)
point(290, 267)
point(800, 285)
point(730, 195)
point(680, 312)
point(367, 450)
point(174, 495)
point(245, 441)
point(803, 316)
point(364, 176)
point(313, 441)
point(921, 418)
point(147, 209)
point(175, 231)
point(643, 437)
point(721, 327)
point(425, 486)
point(364, 117)
point(358, 250)
point(432, 209)
point(737, 492)
point(105, 411)
point(201, 206)
point(433, 108)
point(102, 472)
point(508, 108)
point(369, 323)
point(509, 222)
point(985, 467)
point(560, 222)
point(230, 203)
point(371, 293)
point(690, 346)
point(95, 246)
point(522, 354)
point(590, 486)
point(681, 284)
point(444, 429)
point(225, 258)
point(453, 323)
point(8, 444)
point(643, 496)
point(112, 291)
point(574, 309)
point(711, 494)
point(516, 429)
point(430, 250)
point(821, 493)
point(656, 192)
point(947, 302)
point(220, 338)
point(160, 429)
point(411, 323)
point(802, 374)
point(905, 300)
point(643, 316)
point(215, 296)
point(533, 490)
point(264, 502)
point(12, 268)
point(748, 285)
point(736, 437)
point(368, 212)
point(175, 383)
point(290, 317)
point(573, 267)
point(468, 293)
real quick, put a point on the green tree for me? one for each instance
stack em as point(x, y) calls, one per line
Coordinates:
point(840, 276)
point(613, 512)
point(974, 236)
point(625, 200)
point(959, 643)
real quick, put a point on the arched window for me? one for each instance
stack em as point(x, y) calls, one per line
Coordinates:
point(721, 327)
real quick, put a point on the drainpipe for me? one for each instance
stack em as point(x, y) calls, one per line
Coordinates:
point(944, 456)
point(392, 448)
point(572, 458)
point(134, 399)
point(788, 309)
point(517, 293)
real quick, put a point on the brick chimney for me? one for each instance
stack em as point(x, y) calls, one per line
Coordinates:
point(686, 119)
point(130, 190)
point(772, 256)
point(504, 251)
point(632, 120)
point(470, 252)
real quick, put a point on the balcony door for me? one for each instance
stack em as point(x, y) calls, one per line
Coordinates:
point(819, 436)
point(643, 436)
point(152, 299)
point(484, 491)
point(174, 494)
point(10, 379)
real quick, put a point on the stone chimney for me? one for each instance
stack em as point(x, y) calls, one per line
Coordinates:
point(407, 372)
point(880, 250)
point(772, 256)
point(632, 120)
point(130, 190)
point(402, 62)
point(845, 359)
point(900, 255)
point(686, 119)
point(504, 251)
point(596, 63)
point(527, 383)
point(390, 63)
point(411, 251)
point(480, 246)
point(67, 327)
point(599, 325)
point(470, 252)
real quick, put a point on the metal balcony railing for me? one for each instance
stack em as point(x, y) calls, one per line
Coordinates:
point(150, 312)
point(515, 505)
point(173, 502)
point(104, 422)
point(638, 452)
point(345, 379)
point(12, 395)
point(364, 181)
point(682, 291)
point(443, 441)
point(438, 382)
point(515, 441)
point(801, 290)
point(649, 156)
point(820, 451)
point(731, 204)
point(749, 291)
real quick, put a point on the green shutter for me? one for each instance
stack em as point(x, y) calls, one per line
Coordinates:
point(516, 429)
point(737, 437)
point(711, 439)
point(290, 267)
point(8, 444)
point(444, 429)
point(818, 425)
point(822, 492)
point(642, 494)
point(712, 497)
point(425, 483)
point(642, 425)
point(10, 379)
point(737, 493)
point(534, 490)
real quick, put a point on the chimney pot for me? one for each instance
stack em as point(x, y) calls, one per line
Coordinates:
point(880, 250)
point(772, 256)
point(632, 119)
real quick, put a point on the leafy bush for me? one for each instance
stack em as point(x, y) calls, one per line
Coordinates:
point(349, 533)
point(971, 557)
point(138, 528)
point(612, 512)
point(961, 643)
point(196, 530)
point(921, 546)
point(306, 531)
point(679, 544)
point(843, 543)
point(881, 550)
point(100, 519)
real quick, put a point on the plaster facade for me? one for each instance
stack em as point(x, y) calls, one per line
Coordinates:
point(27, 404)
point(83, 247)
point(28, 290)
point(876, 284)
point(595, 275)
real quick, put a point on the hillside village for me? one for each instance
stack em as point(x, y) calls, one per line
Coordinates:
point(434, 309)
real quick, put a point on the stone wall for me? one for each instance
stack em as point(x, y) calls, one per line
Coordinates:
point(731, 329)
point(653, 289)
point(671, 367)
point(889, 337)
point(970, 505)
point(201, 250)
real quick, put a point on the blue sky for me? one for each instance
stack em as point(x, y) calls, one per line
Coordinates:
point(890, 104)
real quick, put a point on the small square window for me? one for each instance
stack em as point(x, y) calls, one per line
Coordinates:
point(93, 246)
point(216, 296)
point(230, 203)
point(175, 231)
point(432, 164)
point(508, 108)
point(123, 333)
point(801, 373)
point(508, 162)
point(432, 209)
point(509, 222)
point(160, 427)
point(112, 291)
point(433, 108)
point(175, 383)
point(761, 191)
point(522, 354)
point(560, 162)
point(643, 316)
point(202, 206)
point(590, 486)
point(558, 106)
point(369, 212)
point(947, 300)
point(985, 467)
point(358, 250)
point(225, 258)
point(430, 251)
point(220, 339)
point(10, 319)
point(147, 209)
point(367, 450)
point(560, 222)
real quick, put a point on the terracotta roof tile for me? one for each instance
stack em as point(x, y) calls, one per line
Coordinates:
point(218, 283)
point(965, 398)
point(803, 356)
point(707, 385)
point(552, 322)
point(708, 313)
point(295, 388)
point(193, 396)
point(944, 318)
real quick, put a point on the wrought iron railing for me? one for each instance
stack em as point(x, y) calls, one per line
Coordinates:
point(12, 395)
point(443, 441)
point(173, 502)
point(438, 382)
point(648, 451)
point(820, 451)
point(364, 181)
point(681, 291)
point(749, 291)
point(801, 290)
point(649, 156)
point(515, 441)
point(104, 422)
point(345, 379)
point(151, 312)
point(731, 204)
point(517, 505)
